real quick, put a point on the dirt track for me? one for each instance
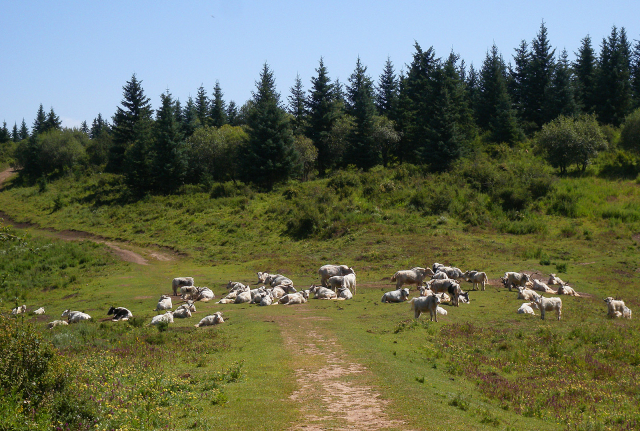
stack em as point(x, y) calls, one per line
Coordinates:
point(72, 235)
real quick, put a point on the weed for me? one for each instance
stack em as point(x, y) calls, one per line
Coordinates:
point(460, 401)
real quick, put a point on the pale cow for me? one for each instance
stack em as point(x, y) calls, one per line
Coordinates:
point(451, 287)
point(540, 286)
point(617, 308)
point(554, 280)
point(422, 304)
point(513, 279)
point(55, 323)
point(477, 278)
point(162, 318)
point(527, 294)
point(549, 304)
point(452, 272)
point(164, 303)
point(327, 271)
point(526, 309)
point(565, 289)
point(19, 310)
point(399, 295)
point(411, 276)
point(344, 293)
point(213, 319)
point(39, 311)
point(179, 282)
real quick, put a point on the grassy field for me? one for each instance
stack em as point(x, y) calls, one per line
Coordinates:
point(480, 367)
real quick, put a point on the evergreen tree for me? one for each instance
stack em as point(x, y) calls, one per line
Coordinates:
point(387, 92)
point(169, 164)
point(98, 126)
point(232, 113)
point(585, 74)
point(5, 135)
point(494, 112)
point(473, 88)
point(613, 83)
point(39, 124)
point(540, 74)
point(202, 106)
point(323, 114)
point(178, 113)
point(270, 150)
point(518, 83)
point(84, 128)
point(297, 107)
point(53, 121)
point(218, 108)
point(362, 150)
point(189, 116)
point(635, 75)
point(131, 133)
point(24, 130)
point(561, 99)
point(15, 135)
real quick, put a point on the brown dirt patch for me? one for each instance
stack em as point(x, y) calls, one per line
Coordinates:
point(4, 175)
point(328, 381)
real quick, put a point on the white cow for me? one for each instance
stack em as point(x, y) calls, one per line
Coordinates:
point(243, 297)
point(565, 289)
point(425, 291)
point(549, 304)
point(179, 282)
point(452, 272)
point(55, 323)
point(160, 318)
point(617, 308)
point(321, 292)
point(411, 276)
point(422, 304)
point(439, 276)
point(344, 293)
point(75, 316)
point(182, 312)
point(527, 294)
point(512, 279)
point(554, 280)
point(19, 310)
point(451, 287)
point(399, 295)
point(477, 278)
point(276, 280)
point(213, 319)
point(164, 303)
point(526, 309)
point(540, 286)
point(119, 313)
point(294, 298)
point(39, 311)
point(327, 271)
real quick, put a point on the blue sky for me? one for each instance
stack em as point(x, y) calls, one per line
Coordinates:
point(76, 56)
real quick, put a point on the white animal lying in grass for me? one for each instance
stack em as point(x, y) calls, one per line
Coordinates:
point(213, 319)
point(160, 318)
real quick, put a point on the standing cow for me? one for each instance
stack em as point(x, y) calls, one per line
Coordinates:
point(411, 276)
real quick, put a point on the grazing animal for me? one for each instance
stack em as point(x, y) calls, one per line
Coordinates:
point(164, 303)
point(565, 289)
point(235, 285)
point(19, 310)
point(243, 297)
point(294, 298)
point(554, 280)
point(425, 291)
point(75, 316)
point(278, 292)
point(399, 295)
point(266, 300)
point(477, 278)
point(411, 276)
point(526, 309)
point(617, 308)
point(540, 286)
point(179, 282)
point(512, 279)
point(439, 276)
point(274, 280)
point(182, 312)
point(451, 287)
point(422, 304)
point(160, 318)
point(344, 293)
point(527, 294)
point(203, 294)
point(39, 311)
point(452, 272)
point(327, 271)
point(549, 304)
point(321, 292)
point(213, 319)
point(55, 323)
point(119, 313)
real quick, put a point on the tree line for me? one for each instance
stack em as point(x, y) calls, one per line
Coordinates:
point(430, 114)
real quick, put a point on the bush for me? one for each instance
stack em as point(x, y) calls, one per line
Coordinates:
point(630, 134)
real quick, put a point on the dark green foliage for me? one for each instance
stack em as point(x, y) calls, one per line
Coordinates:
point(635, 74)
point(218, 115)
point(387, 92)
point(585, 73)
point(232, 114)
point(561, 100)
point(297, 107)
point(52, 122)
point(540, 73)
point(24, 130)
point(50, 152)
point(630, 134)
point(169, 164)
point(131, 130)
point(362, 150)
point(202, 106)
point(189, 118)
point(5, 136)
point(270, 153)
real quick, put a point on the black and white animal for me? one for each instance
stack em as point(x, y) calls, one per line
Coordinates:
point(119, 313)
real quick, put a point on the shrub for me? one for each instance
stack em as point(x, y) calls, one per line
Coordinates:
point(564, 204)
point(630, 133)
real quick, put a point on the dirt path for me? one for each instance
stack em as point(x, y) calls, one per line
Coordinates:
point(329, 386)
point(72, 235)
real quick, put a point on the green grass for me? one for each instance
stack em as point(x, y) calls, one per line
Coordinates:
point(480, 367)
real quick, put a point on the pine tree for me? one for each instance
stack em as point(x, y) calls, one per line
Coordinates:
point(362, 150)
point(493, 110)
point(297, 107)
point(387, 92)
point(518, 84)
point(84, 128)
point(168, 163)
point(5, 135)
point(202, 106)
point(635, 75)
point(98, 126)
point(561, 99)
point(24, 130)
point(218, 113)
point(540, 74)
point(323, 114)
point(232, 113)
point(39, 124)
point(270, 151)
point(131, 132)
point(584, 69)
point(190, 120)
point(15, 135)
point(53, 121)
point(613, 82)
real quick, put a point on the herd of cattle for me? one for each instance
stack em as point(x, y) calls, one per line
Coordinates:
point(437, 285)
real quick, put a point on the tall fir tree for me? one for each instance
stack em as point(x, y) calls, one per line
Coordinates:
point(584, 69)
point(98, 126)
point(15, 135)
point(362, 150)
point(613, 92)
point(218, 107)
point(540, 75)
point(387, 92)
point(131, 131)
point(5, 135)
point(52, 122)
point(297, 107)
point(24, 130)
point(323, 114)
point(232, 113)
point(189, 117)
point(40, 123)
point(518, 84)
point(561, 100)
point(169, 163)
point(84, 127)
point(202, 106)
point(494, 111)
point(635, 75)
point(270, 150)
